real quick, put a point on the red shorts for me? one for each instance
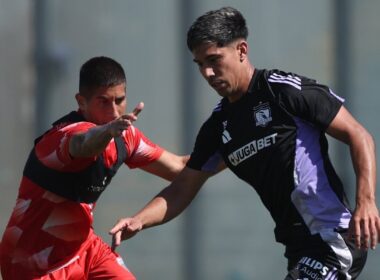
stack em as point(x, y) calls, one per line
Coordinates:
point(98, 262)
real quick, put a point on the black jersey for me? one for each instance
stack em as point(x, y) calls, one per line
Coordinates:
point(274, 139)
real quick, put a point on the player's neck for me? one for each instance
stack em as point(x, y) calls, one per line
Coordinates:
point(245, 81)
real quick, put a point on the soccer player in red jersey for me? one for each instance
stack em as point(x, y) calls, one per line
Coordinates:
point(50, 234)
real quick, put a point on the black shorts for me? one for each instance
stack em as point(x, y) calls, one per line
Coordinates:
point(324, 256)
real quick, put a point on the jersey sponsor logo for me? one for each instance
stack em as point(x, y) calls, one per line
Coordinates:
point(226, 137)
point(263, 114)
point(311, 274)
point(294, 81)
point(306, 263)
point(251, 149)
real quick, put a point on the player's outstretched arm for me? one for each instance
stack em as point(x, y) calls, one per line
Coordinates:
point(365, 223)
point(95, 140)
point(168, 204)
point(167, 166)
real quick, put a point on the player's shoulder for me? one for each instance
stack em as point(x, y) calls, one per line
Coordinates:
point(285, 80)
point(215, 115)
point(72, 121)
point(66, 130)
point(218, 109)
point(289, 83)
point(75, 127)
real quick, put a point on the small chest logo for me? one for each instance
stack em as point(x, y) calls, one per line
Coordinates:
point(263, 114)
point(96, 188)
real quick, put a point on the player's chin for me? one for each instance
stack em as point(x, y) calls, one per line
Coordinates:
point(222, 93)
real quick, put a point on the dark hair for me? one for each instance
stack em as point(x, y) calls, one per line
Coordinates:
point(100, 72)
point(219, 26)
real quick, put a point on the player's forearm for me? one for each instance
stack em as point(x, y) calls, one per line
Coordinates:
point(91, 143)
point(153, 213)
point(363, 157)
point(167, 205)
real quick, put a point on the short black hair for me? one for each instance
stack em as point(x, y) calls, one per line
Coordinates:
point(98, 72)
point(220, 26)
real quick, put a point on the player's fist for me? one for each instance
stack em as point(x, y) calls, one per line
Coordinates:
point(117, 126)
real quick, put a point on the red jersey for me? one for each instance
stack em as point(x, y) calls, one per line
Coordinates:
point(46, 230)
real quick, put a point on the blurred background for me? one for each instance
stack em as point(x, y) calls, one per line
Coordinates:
point(226, 233)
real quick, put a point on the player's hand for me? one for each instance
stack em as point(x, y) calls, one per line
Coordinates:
point(116, 127)
point(124, 229)
point(364, 227)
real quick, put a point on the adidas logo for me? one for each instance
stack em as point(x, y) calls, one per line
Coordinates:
point(226, 137)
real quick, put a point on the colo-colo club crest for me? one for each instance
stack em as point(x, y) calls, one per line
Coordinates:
point(263, 114)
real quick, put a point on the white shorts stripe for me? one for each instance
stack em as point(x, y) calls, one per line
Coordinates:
point(337, 244)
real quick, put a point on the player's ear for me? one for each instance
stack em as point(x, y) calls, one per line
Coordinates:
point(242, 48)
point(80, 100)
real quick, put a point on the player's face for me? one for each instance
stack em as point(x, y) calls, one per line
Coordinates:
point(105, 104)
point(221, 67)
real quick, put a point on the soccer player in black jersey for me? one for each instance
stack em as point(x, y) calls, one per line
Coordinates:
point(269, 129)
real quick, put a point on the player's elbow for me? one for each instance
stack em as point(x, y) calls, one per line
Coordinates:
point(178, 167)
